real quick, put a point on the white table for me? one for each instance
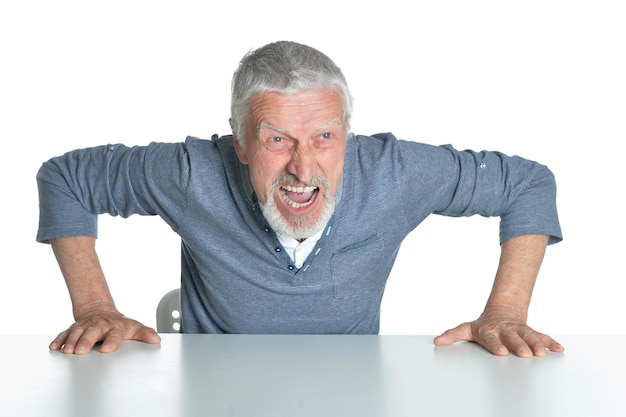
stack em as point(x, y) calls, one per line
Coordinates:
point(321, 376)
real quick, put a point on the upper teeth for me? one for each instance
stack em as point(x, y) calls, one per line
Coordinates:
point(294, 204)
point(293, 189)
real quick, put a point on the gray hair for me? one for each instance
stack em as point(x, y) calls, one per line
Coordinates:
point(287, 68)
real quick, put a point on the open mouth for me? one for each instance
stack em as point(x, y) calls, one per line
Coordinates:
point(299, 196)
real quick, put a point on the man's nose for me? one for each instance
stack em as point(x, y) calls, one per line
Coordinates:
point(302, 163)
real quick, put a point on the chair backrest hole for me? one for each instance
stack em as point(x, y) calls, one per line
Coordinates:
point(168, 313)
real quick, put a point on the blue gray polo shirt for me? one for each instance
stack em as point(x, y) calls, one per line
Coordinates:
point(235, 275)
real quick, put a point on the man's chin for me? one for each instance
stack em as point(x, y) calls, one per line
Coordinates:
point(298, 223)
point(301, 228)
point(298, 227)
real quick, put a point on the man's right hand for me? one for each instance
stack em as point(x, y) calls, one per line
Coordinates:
point(108, 327)
point(97, 318)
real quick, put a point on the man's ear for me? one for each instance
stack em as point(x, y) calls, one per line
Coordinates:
point(241, 152)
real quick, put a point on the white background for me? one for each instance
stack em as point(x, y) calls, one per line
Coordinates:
point(542, 79)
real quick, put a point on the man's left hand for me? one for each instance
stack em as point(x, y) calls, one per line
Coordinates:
point(501, 335)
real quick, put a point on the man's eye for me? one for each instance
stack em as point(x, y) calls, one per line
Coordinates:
point(277, 143)
point(327, 135)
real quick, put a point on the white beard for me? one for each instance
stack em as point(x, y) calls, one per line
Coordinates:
point(296, 226)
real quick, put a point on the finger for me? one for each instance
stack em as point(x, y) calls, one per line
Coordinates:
point(550, 343)
point(59, 341)
point(493, 344)
point(524, 345)
point(138, 332)
point(73, 336)
point(148, 335)
point(535, 344)
point(539, 343)
point(461, 333)
point(112, 341)
point(87, 340)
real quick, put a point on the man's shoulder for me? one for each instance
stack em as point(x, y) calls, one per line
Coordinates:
point(216, 144)
point(375, 138)
point(380, 145)
point(215, 140)
point(388, 143)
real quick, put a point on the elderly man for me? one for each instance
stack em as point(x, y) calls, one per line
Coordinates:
point(293, 223)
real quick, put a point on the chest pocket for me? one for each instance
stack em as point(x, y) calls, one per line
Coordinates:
point(360, 269)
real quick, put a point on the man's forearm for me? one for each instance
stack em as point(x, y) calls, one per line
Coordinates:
point(519, 266)
point(83, 275)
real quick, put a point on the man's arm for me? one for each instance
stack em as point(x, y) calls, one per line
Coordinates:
point(502, 328)
point(97, 318)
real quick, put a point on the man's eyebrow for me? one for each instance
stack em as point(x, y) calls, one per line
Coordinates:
point(329, 124)
point(266, 125)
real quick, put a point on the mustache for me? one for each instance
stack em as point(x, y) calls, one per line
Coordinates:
point(289, 179)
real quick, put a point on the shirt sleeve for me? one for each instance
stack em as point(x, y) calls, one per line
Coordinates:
point(520, 191)
point(76, 187)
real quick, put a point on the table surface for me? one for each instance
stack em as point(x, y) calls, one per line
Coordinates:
point(275, 375)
